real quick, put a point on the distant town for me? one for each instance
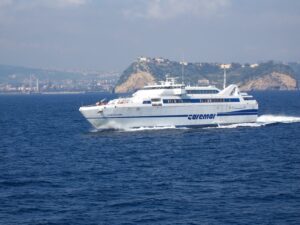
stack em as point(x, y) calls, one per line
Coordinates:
point(20, 80)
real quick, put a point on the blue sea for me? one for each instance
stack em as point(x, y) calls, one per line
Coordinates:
point(56, 169)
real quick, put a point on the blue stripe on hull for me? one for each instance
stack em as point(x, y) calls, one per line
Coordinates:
point(234, 113)
point(133, 117)
point(240, 113)
point(181, 126)
point(197, 125)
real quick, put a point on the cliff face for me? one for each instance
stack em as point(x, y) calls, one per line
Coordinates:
point(273, 81)
point(264, 76)
point(135, 81)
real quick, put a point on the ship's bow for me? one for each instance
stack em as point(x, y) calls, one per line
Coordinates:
point(92, 114)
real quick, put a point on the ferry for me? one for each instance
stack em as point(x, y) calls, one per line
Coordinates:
point(172, 104)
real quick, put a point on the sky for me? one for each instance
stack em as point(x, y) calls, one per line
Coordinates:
point(107, 35)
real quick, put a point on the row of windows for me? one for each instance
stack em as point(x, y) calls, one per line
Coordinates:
point(202, 91)
point(168, 101)
point(165, 87)
point(248, 98)
point(201, 100)
point(187, 91)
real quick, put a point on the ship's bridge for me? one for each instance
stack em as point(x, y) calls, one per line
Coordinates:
point(198, 90)
point(165, 88)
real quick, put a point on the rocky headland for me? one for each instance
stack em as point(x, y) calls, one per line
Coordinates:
point(263, 76)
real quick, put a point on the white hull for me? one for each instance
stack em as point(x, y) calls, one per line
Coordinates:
point(169, 116)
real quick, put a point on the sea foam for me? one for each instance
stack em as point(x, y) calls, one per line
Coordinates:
point(265, 120)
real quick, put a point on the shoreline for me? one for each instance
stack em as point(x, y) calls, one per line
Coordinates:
point(52, 93)
point(96, 92)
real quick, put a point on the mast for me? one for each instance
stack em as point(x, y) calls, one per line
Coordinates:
point(183, 63)
point(182, 73)
point(30, 83)
point(225, 66)
point(37, 85)
point(224, 83)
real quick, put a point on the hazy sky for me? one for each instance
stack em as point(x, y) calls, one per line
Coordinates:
point(110, 34)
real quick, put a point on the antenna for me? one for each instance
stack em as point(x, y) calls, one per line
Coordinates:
point(182, 73)
point(225, 66)
point(30, 83)
point(182, 70)
point(224, 83)
point(37, 85)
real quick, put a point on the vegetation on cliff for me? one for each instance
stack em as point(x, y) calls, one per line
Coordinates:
point(263, 76)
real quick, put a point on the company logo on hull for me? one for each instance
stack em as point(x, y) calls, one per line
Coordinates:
point(201, 116)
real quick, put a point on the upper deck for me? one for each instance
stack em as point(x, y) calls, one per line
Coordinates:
point(169, 92)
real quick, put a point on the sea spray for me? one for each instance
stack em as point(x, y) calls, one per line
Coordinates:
point(268, 119)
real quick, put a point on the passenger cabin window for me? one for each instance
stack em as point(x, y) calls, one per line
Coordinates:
point(202, 91)
point(248, 98)
point(155, 100)
point(164, 87)
point(203, 100)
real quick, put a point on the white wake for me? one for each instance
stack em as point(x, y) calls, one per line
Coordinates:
point(151, 128)
point(268, 119)
point(264, 120)
point(240, 125)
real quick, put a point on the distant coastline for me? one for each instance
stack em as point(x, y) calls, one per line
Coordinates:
point(53, 93)
point(269, 75)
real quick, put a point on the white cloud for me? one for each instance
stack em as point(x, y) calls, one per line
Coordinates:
point(168, 9)
point(10, 9)
point(4, 3)
point(28, 4)
point(63, 3)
